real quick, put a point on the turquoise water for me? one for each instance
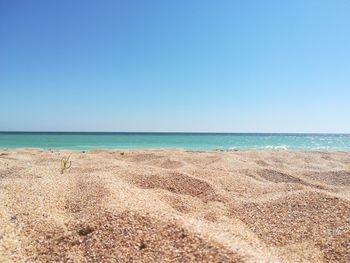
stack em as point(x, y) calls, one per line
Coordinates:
point(190, 141)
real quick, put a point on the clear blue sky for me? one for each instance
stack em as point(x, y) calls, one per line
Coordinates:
point(225, 66)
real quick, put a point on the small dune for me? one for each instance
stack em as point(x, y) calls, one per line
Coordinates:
point(170, 164)
point(278, 177)
point(337, 178)
point(177, 183)
point(316, 218)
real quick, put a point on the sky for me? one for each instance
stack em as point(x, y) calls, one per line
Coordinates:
point(175, 66)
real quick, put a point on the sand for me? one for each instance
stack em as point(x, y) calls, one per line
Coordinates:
point(174, 206)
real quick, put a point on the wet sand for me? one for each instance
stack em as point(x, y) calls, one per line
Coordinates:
point(174, 206)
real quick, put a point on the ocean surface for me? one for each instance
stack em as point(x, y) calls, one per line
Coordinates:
point(189, 141)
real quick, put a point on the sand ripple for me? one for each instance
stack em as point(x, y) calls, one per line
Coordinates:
point(174, 206)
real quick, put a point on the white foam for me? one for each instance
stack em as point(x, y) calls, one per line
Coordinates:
point(277, 147)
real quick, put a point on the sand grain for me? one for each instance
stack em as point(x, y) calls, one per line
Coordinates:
point(174, 206)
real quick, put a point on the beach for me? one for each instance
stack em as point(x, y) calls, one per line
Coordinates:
point(173, 205)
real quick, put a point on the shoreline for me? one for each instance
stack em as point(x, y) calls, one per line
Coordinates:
point(189, 141)
point(179, 149)
point(175, 205)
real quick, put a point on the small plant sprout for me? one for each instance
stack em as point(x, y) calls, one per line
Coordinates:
point(65, 164)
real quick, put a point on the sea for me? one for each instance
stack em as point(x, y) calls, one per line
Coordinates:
point(188, 141)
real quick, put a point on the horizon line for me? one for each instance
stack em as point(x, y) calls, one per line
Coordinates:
point(177, 132)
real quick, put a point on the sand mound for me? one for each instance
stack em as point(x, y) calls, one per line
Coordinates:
point(175, 206)
point(127, 237)
point(94, 234)
point(278, 177)
point(311, 217)
point(168, 164)
point(177, 183)
point(338, 178)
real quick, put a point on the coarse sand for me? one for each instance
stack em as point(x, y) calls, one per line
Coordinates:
point(172, 205)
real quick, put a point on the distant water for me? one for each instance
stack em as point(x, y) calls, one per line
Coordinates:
point(190, 141)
